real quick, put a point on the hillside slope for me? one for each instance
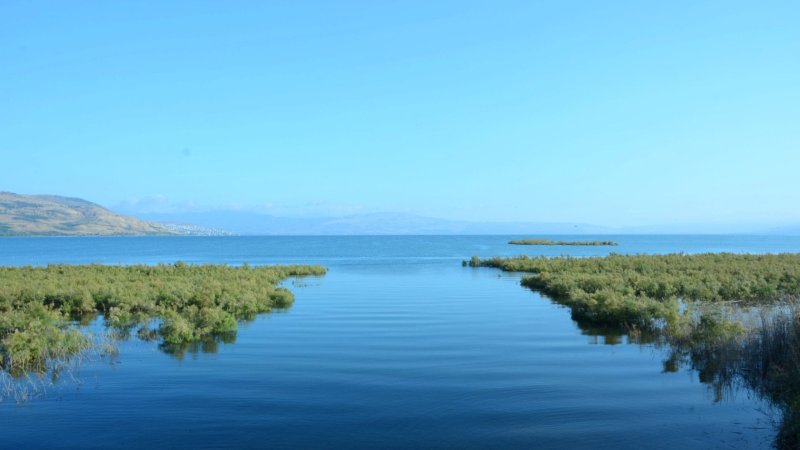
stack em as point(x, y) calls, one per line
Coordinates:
point(51, 215)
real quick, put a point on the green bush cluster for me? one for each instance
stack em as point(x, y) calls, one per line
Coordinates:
point(646, 290)
point(193, 302)
point(549, 242)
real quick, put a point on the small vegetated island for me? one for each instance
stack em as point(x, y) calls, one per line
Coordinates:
point(693, 304)
point(549, 242)
point(178, 304)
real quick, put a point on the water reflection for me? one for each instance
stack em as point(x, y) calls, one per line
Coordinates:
point(105, 336)
point(209, 344)
point(764, 360)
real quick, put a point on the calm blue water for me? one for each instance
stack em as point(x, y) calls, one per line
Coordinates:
point(398, 346)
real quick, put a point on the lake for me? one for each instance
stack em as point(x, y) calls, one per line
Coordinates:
point(398, 346)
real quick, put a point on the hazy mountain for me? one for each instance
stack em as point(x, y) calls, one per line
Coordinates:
point(786, 230)
point(51, 215)
point(251, 223)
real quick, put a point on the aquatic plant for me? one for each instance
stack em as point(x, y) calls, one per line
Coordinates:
point(649, 291)
point(39, 305)
point(765, 360)
point(770, 365)
point(549, 242)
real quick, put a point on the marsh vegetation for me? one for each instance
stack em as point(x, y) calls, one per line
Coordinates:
point(549, 242)
point(653, 291)
point(695, 306)
point(180, 305)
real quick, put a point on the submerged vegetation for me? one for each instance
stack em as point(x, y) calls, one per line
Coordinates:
point(549, 242)
point(190, 304)
point(680, 301)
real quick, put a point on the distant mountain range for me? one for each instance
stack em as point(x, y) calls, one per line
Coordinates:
point(50, 215)
point(786, 231)
point(252, 223)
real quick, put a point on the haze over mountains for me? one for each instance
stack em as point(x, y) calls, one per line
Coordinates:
point(252, 223)
point(51, 215)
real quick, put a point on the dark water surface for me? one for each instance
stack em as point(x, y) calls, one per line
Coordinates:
point(398, 346)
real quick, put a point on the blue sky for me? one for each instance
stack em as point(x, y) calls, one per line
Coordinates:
point(612, 113)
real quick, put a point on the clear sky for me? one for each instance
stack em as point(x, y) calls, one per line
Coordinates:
point(612, 113)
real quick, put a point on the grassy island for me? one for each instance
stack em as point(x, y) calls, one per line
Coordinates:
point(39, 305)
point(549, 242)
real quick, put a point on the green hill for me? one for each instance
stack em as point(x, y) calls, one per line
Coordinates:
point(51, 215)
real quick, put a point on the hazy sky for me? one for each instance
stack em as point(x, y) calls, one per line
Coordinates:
point(613, 113)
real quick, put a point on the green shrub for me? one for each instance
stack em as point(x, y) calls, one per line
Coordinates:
point(193, 302)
